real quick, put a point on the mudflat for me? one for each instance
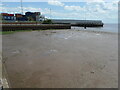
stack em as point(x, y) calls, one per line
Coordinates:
point(61, 59)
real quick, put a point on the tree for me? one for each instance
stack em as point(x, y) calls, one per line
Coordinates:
point(48, 21)
point(30, 18)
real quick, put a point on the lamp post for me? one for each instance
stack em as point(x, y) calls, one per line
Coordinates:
point(21, 7)
point(85, 20)
point(50, 13)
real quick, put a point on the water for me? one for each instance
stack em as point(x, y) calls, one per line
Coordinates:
point(106, 28)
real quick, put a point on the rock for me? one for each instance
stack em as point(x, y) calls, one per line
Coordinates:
point(92, 72)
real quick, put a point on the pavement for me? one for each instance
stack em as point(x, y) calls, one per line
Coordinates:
point(0, 60)
point(3, 80)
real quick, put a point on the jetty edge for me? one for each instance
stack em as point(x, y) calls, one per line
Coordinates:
point(81, 23)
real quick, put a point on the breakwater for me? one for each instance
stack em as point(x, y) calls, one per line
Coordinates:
point(15, 27)
point(81, 23)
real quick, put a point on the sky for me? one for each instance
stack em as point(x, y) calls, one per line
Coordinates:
point(104, 10)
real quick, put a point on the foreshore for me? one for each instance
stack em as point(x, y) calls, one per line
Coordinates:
point(61, 59)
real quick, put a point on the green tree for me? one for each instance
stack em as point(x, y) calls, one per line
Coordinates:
point(30, 18)
point(48, 21)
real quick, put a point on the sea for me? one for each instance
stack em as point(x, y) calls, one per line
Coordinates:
point(105, 28)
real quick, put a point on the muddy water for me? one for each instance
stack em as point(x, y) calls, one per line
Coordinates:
point(61, 59)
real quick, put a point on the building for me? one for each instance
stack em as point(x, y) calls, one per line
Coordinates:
point(20, 17)
point(29, 16)
point(8, 17)
point(33, 16)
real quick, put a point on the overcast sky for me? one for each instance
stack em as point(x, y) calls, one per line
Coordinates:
point(106, 10)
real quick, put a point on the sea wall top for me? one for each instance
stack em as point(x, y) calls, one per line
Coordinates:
point(76, 21)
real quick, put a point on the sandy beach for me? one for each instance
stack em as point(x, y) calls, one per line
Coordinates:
point(61, 59)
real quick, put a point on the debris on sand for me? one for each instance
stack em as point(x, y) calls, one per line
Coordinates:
point(92, 72)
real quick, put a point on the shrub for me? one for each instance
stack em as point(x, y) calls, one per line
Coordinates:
point(48, 21)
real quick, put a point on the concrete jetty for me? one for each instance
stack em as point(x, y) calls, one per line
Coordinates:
point(82, 23)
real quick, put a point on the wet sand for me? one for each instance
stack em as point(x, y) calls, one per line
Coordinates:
point(61, 59)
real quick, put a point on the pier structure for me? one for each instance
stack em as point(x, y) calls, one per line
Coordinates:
point(81, 23)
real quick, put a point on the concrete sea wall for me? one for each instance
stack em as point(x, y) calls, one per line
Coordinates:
point(15, 27)
point(81, 23)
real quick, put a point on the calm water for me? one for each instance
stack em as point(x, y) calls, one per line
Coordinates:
point(106, 28)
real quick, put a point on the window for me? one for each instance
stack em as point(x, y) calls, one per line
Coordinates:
point(8, 17)
point(12, 18)
point(5, 17)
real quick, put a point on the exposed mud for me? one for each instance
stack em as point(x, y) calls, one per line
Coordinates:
point(61, 59)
